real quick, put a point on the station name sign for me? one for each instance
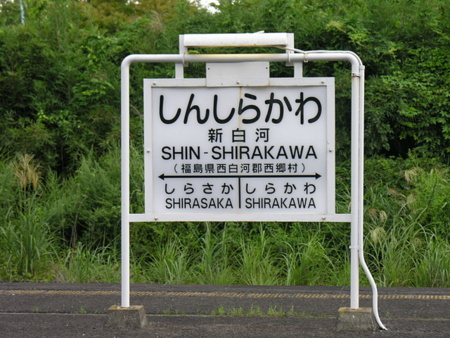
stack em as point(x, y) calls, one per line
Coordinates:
point(238, 151)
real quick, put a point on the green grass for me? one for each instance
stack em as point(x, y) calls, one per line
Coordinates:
point(67, 230)
point(256, 311)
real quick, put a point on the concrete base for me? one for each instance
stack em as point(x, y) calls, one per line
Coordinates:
point(132, 317)
point(361, 319)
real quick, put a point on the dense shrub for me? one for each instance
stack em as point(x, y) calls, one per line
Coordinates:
point(60, 79)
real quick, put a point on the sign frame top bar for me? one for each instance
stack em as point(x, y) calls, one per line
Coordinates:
point(259, 39)
point(238, 40)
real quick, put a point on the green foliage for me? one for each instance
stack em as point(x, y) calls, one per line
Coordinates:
point(68, 231)
point(428, 198)
point(408, 222)
point(171, 264)
point(25, 235)
point(257, 263)
point(60, 92)
point(26, 242)
point(413, 103)
point(272, 311)
point(87, 207)
point(215, 262)
point(60, 89)
point(433, 269)
point(84, 265)
point(307, 263)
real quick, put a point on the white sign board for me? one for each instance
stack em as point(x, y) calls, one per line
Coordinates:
point(239, 152)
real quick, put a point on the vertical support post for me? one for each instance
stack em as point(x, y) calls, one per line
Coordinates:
point(125, 188)
point(356, 204)
point(179, 67)
point(361, 164)
point(298, 69)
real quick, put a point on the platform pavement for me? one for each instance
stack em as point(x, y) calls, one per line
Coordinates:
point(80, 310)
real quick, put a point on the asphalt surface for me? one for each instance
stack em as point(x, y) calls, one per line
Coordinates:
point(81, 310)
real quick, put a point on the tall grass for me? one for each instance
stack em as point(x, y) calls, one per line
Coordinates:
point(56, 229)
point(308, 263)
point(256, 263)
point(407, 238)
point(84, 265)
point(405, 256)
point(24, 234)
point(171, 264)
point(26, 244)
point(215, 262)
point(433, 267)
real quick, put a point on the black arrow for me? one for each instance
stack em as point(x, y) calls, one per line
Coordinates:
point(316, 176)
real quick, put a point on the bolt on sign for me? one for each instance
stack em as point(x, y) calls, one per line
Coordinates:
point(239, 152)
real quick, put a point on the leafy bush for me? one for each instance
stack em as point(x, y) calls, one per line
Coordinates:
point(60, 89)
point(60, 78)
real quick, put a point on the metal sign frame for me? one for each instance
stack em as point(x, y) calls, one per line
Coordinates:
point(291, 57)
